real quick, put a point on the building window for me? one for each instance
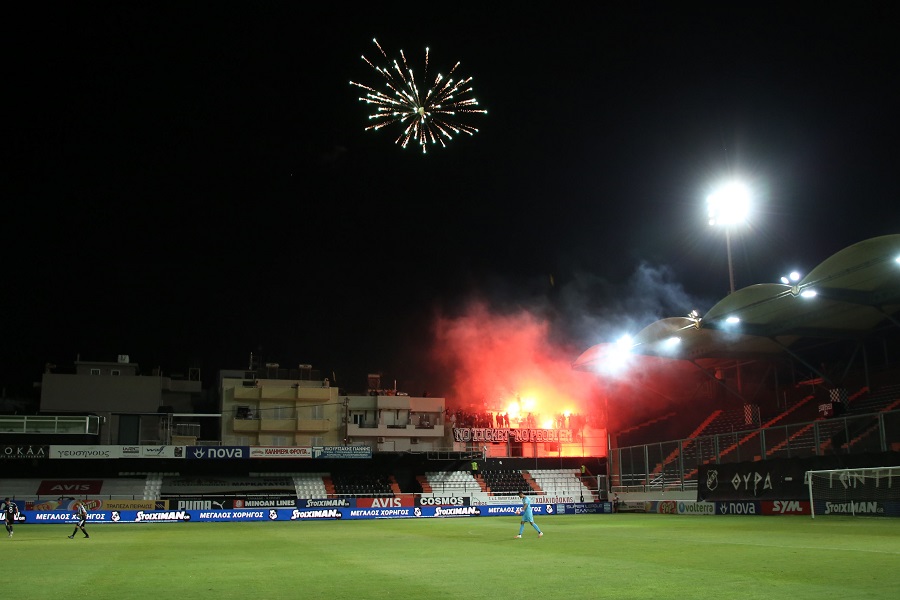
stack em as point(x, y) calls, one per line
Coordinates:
point(115, 372)
point(95, 371)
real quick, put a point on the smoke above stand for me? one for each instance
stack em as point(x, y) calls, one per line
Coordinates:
point(507, 363)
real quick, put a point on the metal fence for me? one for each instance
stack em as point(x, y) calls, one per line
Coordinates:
point(673, 465)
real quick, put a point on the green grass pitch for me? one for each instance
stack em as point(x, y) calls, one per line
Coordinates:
point(624, 556)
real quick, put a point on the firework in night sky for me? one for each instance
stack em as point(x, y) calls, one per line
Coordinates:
point(430, 115)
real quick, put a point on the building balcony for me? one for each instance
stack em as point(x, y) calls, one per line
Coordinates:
point(393, 431)
point(316, 425)
point(184, 386)
point(245, 425)
point(286, 425)
point(282, 425)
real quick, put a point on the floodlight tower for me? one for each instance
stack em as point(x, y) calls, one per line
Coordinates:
point(729, 206)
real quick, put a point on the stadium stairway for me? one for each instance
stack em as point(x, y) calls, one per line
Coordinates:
point(694, 434)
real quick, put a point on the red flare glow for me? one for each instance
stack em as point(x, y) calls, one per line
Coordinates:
point(507, 363)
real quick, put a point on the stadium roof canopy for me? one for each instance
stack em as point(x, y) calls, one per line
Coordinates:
point(849, 296)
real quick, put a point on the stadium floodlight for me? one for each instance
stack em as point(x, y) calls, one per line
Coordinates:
point(729, 206)
point(793, 277)
point(856, 492)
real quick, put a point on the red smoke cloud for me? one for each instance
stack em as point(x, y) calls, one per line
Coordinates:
point(508, 363)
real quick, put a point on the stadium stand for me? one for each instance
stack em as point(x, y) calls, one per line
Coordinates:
point(560, 482)
point(451, 482)
point(500, 481)
point(310, 485)
point(361, 484)
point(123, 488)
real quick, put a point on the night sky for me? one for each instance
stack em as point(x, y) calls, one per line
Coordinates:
point(192, 183)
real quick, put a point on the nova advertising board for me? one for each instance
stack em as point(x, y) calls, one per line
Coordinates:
point(217, 452)
point(738, 508)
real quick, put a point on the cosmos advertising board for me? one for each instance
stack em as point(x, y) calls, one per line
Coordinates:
point(446, 500)
point(309, 513)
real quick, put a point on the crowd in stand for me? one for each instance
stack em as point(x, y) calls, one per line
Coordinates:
point(486, 419)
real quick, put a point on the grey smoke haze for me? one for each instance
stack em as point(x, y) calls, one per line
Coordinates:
point(595, 311)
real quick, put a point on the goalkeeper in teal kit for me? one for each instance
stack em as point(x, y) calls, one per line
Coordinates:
point(527, 515)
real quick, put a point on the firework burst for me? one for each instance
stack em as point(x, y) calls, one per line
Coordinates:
point(429, 117)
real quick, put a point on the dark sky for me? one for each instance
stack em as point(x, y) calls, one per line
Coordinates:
point(190, 183)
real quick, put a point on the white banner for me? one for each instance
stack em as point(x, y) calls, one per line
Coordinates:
point(478, 499)
point(280, 452)
point(104, 452)
point(82, 452)
point(151, 452)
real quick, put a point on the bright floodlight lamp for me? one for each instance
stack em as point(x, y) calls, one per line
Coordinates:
point(729, 206)
point(794, 277)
